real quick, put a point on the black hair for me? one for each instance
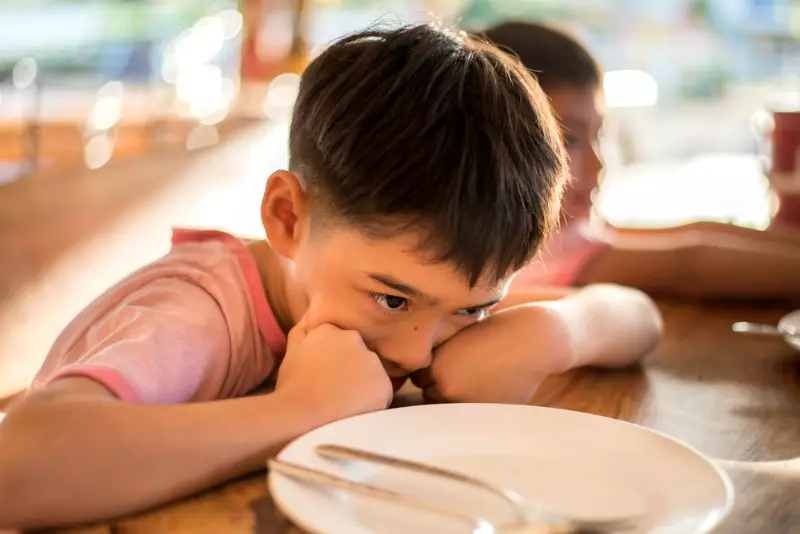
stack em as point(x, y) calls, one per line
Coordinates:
point(553, 57)
point(426, 129)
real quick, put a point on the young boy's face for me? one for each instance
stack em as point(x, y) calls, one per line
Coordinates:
point(580, 111)
point(401, 303)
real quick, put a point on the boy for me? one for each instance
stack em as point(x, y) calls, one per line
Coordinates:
point(425, 170)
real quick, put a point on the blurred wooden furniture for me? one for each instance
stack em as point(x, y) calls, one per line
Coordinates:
point(735, 398)
point(267, 50)
point(61, 143)
point(68, 234)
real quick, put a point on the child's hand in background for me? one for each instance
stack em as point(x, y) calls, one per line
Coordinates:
point(332, 374)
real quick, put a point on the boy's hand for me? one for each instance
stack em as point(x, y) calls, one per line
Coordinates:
point(332, 373)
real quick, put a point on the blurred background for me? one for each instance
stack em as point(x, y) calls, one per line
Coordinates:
point(92, 81)
point(122, 118)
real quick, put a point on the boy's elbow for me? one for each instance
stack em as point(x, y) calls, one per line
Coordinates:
point(10, 509)
point(628, 320)
point(21, 452)
point(646, 326)
point(12, 462)
point(651, 323)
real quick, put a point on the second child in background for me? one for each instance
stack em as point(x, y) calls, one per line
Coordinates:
point(703, 259)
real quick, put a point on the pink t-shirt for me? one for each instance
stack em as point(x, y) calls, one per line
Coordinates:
point(562, 258)
point(193, 326)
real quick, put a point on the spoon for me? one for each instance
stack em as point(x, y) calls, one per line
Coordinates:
point(788, 328)
point(759, 329)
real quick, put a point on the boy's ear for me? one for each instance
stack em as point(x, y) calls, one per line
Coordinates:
point(284, 212)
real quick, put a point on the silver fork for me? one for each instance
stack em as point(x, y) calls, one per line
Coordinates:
point(527, 510)
point(477, 525)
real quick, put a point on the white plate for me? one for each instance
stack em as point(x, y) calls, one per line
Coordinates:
point(577, 463)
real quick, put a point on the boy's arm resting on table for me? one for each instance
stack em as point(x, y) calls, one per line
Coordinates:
point(73, 453)
point(699, 264)
point(505, 357)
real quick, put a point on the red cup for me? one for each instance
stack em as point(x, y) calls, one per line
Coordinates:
point(788, 214)
point(785, 142)
point(781, 135)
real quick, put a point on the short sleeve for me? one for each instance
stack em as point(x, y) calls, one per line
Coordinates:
point(165, 342)
point(563, 258)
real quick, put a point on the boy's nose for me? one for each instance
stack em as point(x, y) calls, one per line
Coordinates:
point(410, 352)
point(409, 359)
point(596, 164)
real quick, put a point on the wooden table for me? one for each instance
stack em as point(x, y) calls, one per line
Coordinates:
point(733, 397)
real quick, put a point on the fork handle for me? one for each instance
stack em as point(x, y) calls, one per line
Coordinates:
point(349, 453)
point(756, 328)
point(535, 514)
point(314, 476)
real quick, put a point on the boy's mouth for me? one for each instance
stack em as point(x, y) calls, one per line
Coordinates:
point(397, 382)
point(397, 374)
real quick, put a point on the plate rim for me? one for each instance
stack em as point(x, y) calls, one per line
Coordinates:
point(706, 527)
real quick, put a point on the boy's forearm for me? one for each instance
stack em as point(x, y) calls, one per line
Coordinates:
point(82, 460)
point(505, 357)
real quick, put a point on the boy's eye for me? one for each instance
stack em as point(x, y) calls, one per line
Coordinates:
point(390, 302)
point(474, 313)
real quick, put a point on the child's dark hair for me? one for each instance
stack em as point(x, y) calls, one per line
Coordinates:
point(425, 129)
point(555, 58)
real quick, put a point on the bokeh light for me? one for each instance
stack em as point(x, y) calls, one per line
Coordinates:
point(24, 73)
point(202, 136)
point(629, 88)
point(232, 23)
point(281, 95)
point(107, 109)
point(98, 151)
